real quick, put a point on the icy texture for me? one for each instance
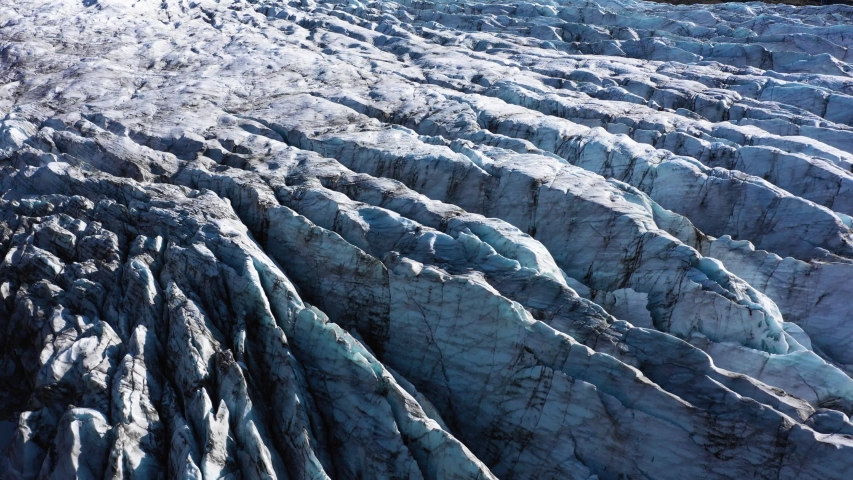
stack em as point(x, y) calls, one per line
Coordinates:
point(438, 240)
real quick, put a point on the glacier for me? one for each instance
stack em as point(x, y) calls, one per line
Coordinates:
point(425, 239)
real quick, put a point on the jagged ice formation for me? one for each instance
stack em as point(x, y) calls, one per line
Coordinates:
point(425, 239)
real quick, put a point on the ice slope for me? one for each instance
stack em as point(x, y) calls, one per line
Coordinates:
point(308, 240)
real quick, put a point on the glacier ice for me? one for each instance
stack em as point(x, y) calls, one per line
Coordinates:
point(425, 239)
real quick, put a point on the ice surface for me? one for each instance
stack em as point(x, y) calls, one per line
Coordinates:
point(345, 239)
